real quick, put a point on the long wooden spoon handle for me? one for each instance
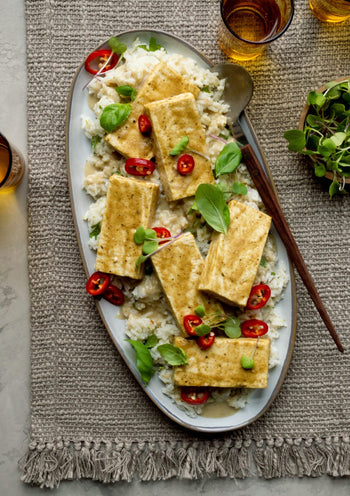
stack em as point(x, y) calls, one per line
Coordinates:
point(273, 208)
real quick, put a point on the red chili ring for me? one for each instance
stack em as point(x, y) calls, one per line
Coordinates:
point(185, 164)
point(207, 341)
point(194, 395)
point(145, 125)
point(139, 166)
point(190, 323)
point(103, 53)
point(254, 328)
point(114, 295)
point(97, 283)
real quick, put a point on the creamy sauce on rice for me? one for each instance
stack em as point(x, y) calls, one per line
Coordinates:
point(219, 409)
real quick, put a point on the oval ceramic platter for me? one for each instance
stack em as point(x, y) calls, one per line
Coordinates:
point(78, 148)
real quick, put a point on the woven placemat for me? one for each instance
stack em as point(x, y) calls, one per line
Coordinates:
point(89, 416)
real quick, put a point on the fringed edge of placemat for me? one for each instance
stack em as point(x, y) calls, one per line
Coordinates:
point(47, 464)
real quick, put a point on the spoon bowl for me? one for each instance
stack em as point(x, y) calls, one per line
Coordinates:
point(238, 87)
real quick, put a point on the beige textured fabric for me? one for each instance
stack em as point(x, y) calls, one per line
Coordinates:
point(88, 413)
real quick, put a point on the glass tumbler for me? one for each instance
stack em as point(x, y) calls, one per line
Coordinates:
point(247, 26)
point(12, 166)
point(330, 10)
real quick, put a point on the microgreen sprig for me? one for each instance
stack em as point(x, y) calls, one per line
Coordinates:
point(182, 145)
point(247, 362)
point(326, 134)
point(230, 325)
point(116, 47)
point(150, 243)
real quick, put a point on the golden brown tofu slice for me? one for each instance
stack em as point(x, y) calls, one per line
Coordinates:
point(172, 119)
point(163, 82)
point(233, 260)
point(178, 267)
point(130, 203)
point(220, 365)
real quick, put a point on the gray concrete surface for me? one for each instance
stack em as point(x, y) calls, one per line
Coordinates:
point(14, 320)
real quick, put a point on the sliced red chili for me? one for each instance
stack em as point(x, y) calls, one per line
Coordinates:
point(162, 232)
point(253, 328)
point(139, 166)
point(145, 125)
point(185, 164)
point(205, 342)
point(114, 295)
point(97, 59)
point(258, 297)
point(190, 323)
point(97, 283)
point(194, 395)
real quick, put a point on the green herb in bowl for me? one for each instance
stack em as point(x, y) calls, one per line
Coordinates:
point(324, 133)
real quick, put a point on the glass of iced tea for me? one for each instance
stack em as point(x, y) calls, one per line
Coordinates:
point(12, 166)
point(247, 26)
point(330, 10)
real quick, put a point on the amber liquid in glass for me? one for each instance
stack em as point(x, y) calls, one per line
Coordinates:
point(330, 10)
point(255, 21)
point(12, 166)
point(4, 161)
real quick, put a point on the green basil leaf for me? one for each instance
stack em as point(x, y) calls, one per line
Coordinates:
point(113, 115)
point(263, 261)
point(144, 360)
point(205, 89)
point(211, 204)
point(223, 187)
point(296, 140)
point(239, 189)
point(228, 160)
point(116, 46)
point(200, 311)
point(180, 146)
point(193, 208)
point(95, 230)
point(139, 236)
point(152, 46)
point(173, 354)
point(202, 329)
point(149, 247)
point(127, 91)
point(151, 341)
point(94, 140)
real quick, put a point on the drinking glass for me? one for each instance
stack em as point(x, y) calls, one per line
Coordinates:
point(12, 166)
point(330, 10)
point(247, 26)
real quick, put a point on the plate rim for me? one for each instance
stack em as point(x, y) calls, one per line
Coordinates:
point(289, 354)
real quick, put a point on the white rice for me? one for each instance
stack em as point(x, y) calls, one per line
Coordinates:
point(145, 310)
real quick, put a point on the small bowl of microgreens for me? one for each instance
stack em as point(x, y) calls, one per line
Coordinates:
point(324, 133)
